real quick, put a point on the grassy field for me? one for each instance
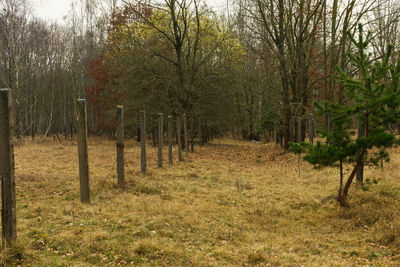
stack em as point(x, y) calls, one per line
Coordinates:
point(229, 204)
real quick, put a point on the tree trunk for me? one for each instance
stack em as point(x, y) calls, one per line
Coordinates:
point(192, 135)
point(333, 61)
point(311, 129)
point(153, 136)
point(299, 130)
point(160, 140)
point(360, 172)
point(170, 140)
point(341, 180)
point(343, 197)
point(138, 134)
point(143, 140)
point(201, 134)
point(185, 132)
point(178, 130)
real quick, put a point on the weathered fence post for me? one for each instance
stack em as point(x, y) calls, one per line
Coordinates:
point(170, 139)
point(192, 135)
point(8, 211)
point(83, 151)
point(185, 132)
point(311, 129)
point(160, 139)
point(143, 140)
point(179, 129)
point(120, 146)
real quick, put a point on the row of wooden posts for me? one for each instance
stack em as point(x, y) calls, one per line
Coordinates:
point(8, 211)
point(7, 172)
point(82, 145)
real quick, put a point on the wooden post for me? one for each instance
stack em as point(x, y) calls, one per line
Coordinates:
point(170, 140)
point(311, 129)
point(185, 132)
point(83, 151)
point(179, 129)
point(120, 146)
point(192, 135)
point(8, 211)
point(143, 140)
point(160, 140)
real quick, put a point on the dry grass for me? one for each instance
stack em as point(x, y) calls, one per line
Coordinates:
point(231, 203)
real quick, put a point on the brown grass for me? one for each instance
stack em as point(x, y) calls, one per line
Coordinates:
point(229, 204)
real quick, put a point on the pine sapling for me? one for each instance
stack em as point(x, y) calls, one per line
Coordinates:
point(373, 98)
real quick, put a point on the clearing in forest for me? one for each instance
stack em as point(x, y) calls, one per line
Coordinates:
point(231, 203)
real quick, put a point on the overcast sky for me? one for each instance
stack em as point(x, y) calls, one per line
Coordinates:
point(55, 10)
point(51, 9)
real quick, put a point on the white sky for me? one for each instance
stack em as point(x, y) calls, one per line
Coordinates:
point(55, 10)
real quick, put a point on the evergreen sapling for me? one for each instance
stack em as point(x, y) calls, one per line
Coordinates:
point(373, 98)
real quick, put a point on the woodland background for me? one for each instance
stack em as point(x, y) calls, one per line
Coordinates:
point(246, 70)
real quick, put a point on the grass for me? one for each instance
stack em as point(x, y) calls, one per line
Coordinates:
point(229, 204)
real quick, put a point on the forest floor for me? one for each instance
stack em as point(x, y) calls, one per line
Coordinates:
point(230, 203)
